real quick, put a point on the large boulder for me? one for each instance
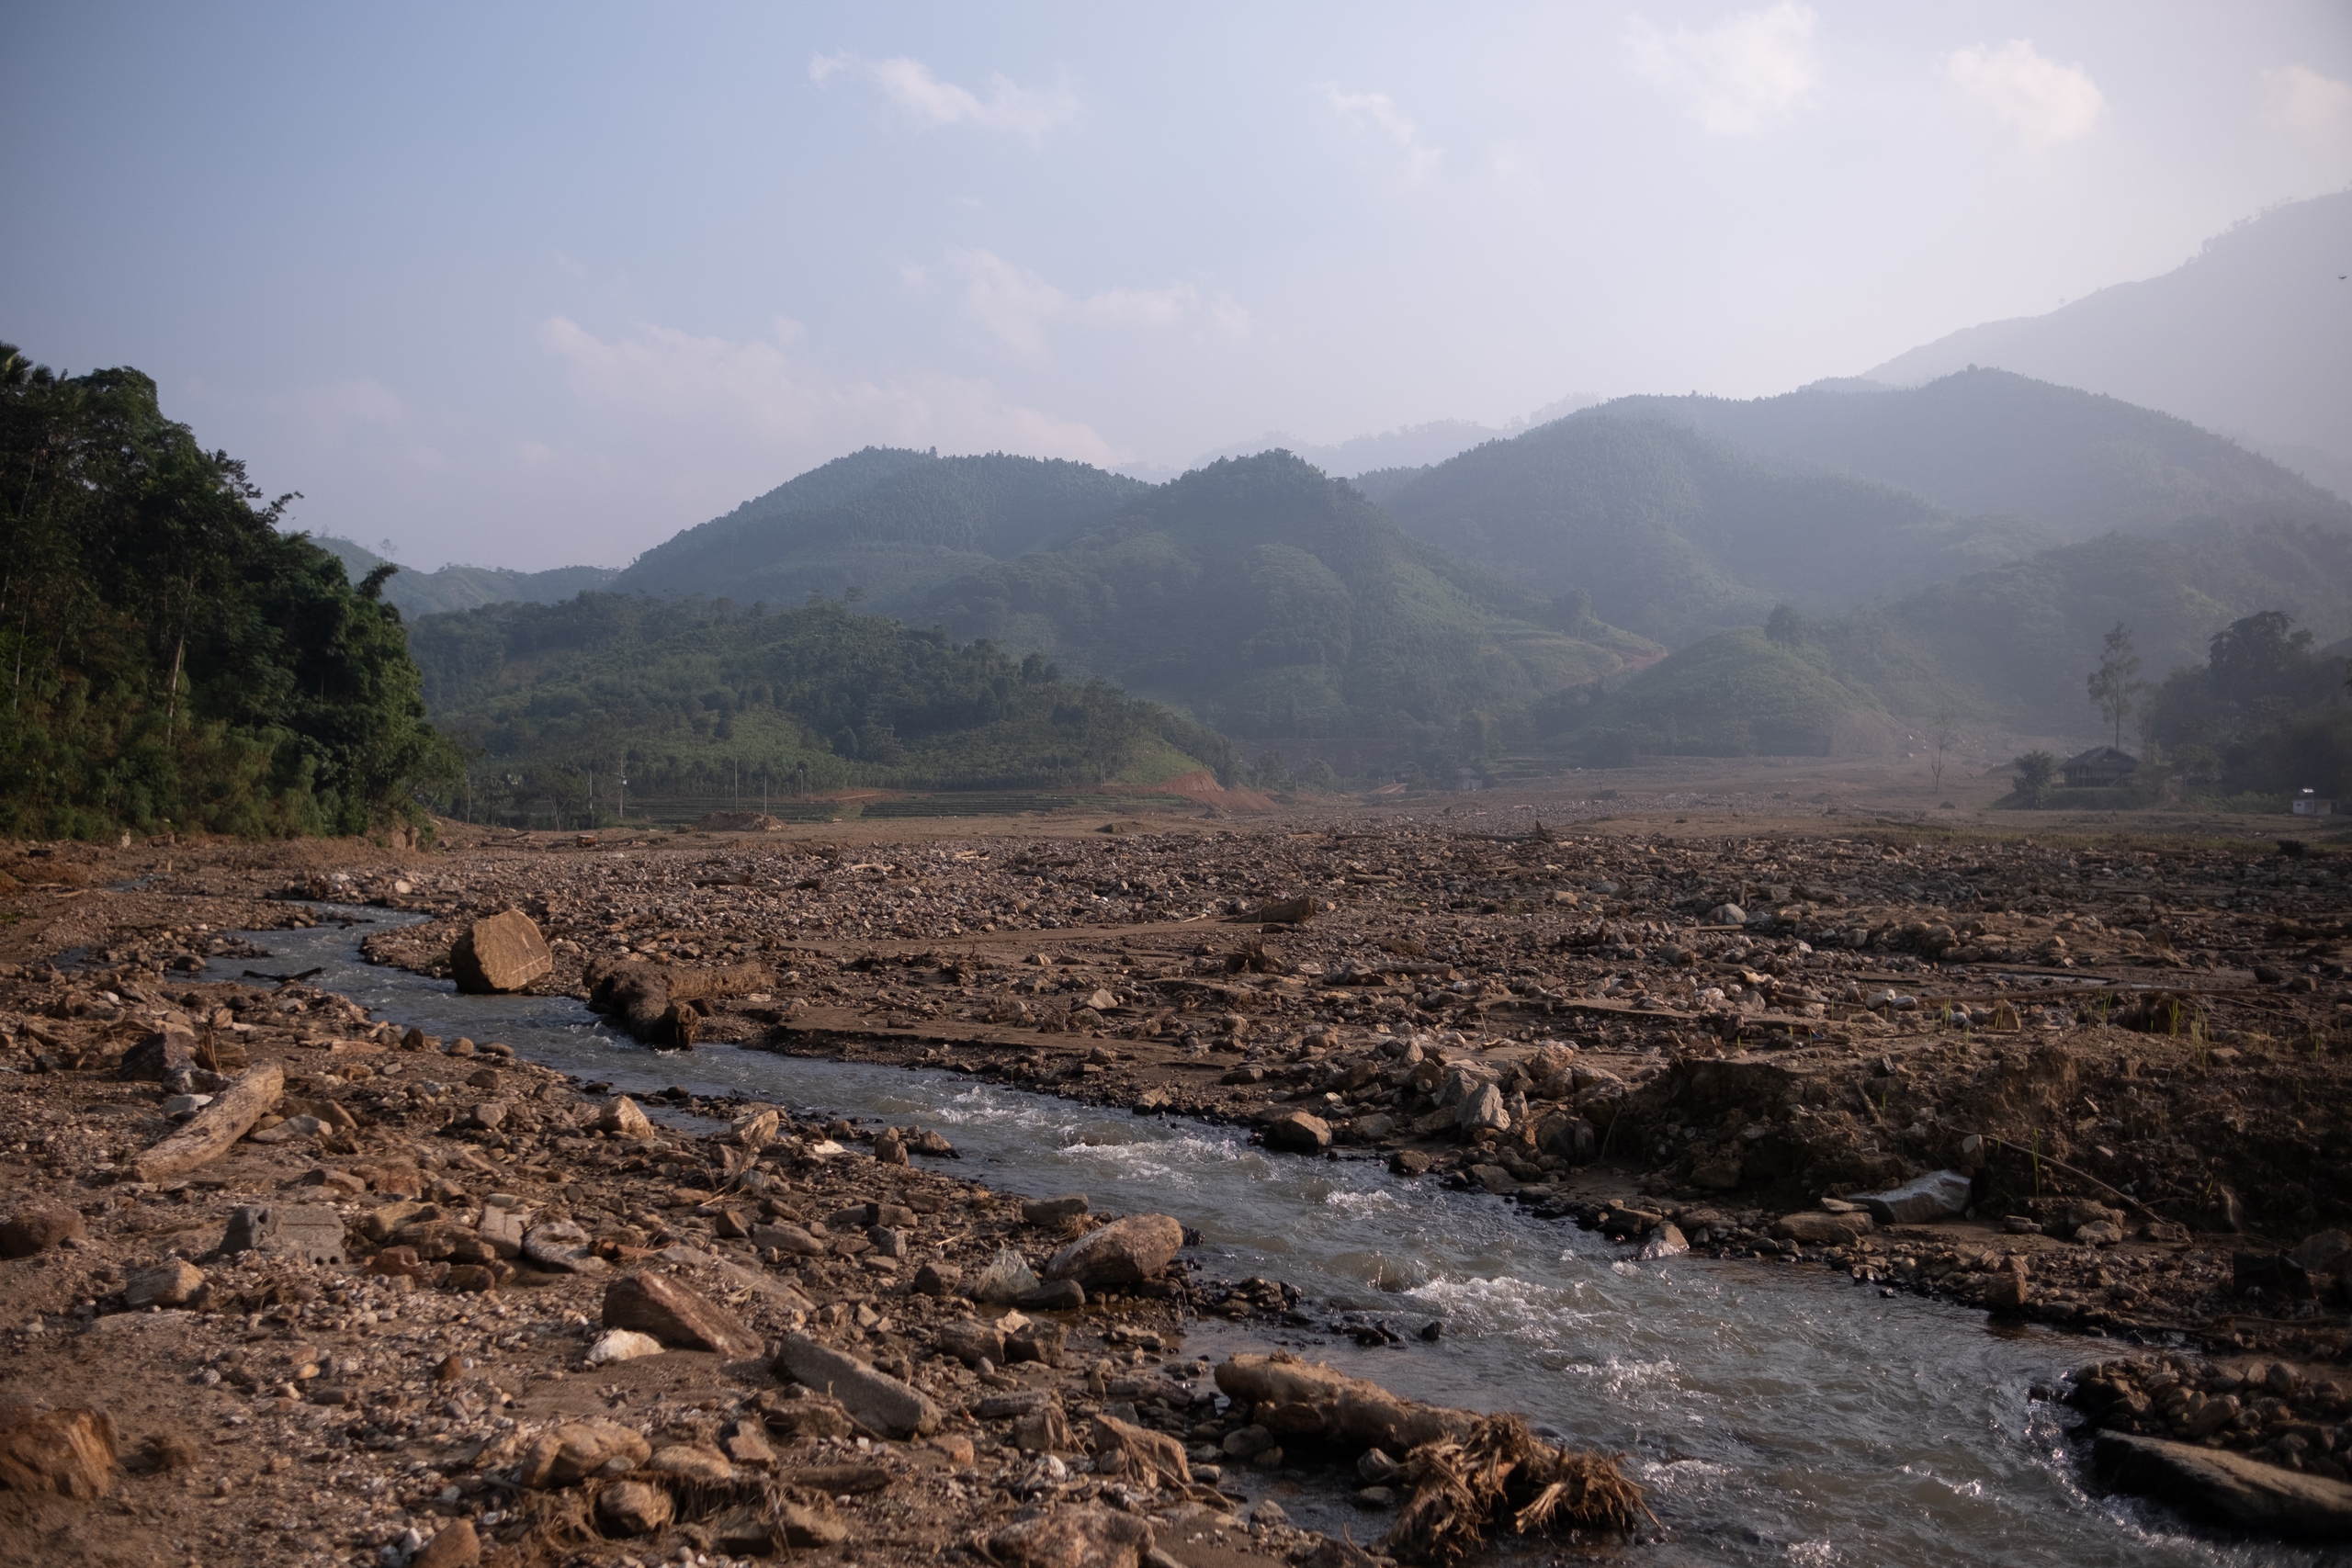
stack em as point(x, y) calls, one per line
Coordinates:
point(1124, 1252)
point(502, 952)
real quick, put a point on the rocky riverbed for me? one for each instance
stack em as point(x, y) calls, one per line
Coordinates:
point(2127, 1057)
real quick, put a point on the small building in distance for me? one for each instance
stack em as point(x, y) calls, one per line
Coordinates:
point(2102, 767)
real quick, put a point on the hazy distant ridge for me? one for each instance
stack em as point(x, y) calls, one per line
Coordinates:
point(2252, 338)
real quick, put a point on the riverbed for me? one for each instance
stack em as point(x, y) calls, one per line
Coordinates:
point(1776, 1414)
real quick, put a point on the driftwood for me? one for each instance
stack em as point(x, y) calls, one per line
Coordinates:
point(214, 1129)
point(1300, 1399)
point(655, 1001)
point(1467, 1475)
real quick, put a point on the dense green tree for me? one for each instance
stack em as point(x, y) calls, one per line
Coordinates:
point(173, 658)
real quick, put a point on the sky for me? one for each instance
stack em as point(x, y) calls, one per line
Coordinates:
point(526, 286)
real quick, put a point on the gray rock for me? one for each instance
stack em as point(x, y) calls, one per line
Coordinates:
point(562, 1247)
point(1053, 1211)
point(875, 1399)
point(502, 1231)
point(309, 1232)
point(2225, 1487)
point(1939, 1195)
point(1006, 1280)
point(1483, 1109)
point(1300, 1132)
point(1058, 1295)
point(1726, 915)
point(1124, 1252)
point(1666, 1241)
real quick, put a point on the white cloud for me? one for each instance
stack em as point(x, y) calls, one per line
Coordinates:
point(1749, 68)
point(1025, 112)
point(2296, 97)
point(2044, 102)
point(755, 400)
point(1014, 304)
point(1378, 112)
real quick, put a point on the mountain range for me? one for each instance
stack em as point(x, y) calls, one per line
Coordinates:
point(1594, 582)
point(2252, 337)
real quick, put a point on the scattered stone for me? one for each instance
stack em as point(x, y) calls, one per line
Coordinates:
point(937, 1279)
point(1052, 1211)
point(168, 1284)
point(622, 1118)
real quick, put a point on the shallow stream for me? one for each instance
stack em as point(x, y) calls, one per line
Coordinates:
point(1775, 1415)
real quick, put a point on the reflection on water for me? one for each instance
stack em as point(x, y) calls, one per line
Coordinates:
point(1774, 1418)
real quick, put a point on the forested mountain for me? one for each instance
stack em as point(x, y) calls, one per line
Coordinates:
point(1988, 442)
point(692, 697)
point(892, 522)
point(173, 659)
point(1272, 601)
point(2013, 645)
point(2252, 337)
point(417, 593)
point(1677, 533)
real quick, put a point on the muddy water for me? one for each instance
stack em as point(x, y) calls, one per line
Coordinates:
point(1774, 1417)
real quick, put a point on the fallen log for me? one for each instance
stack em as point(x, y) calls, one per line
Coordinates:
point(1467, 1475)
point(214, 1129)
point(654, 1001)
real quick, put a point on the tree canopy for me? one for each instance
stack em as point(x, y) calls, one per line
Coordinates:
point(172, 658)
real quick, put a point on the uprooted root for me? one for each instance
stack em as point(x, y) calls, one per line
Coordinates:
point(1503, 1474)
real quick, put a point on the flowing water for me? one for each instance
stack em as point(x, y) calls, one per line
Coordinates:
point(1775, 1416)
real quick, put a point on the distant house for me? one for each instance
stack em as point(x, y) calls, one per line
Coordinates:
point(2102, 767)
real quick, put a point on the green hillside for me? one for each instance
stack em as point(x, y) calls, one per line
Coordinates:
point(1986, 442)
point(2011, 646)
point(1269, 600)
point(893, 523)
point(176, 662)
point(1677, 535)
point(692, 697)
point(417, 593)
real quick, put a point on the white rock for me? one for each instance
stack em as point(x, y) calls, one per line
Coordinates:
point(623, 1345)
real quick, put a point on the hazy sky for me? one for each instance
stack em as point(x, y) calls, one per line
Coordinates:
point(523, 285)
